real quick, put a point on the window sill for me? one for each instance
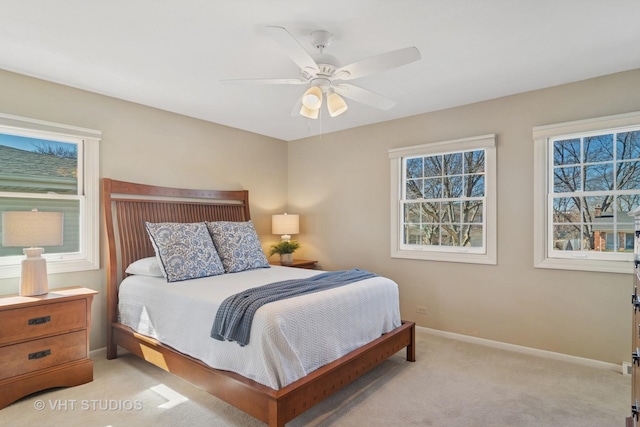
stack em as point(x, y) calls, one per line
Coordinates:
point(624, 267)
point(11, 271)
point(445, 257)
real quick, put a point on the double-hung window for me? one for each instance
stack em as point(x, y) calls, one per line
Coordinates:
point(587, 182)
point(443, 201)
point(51, 167)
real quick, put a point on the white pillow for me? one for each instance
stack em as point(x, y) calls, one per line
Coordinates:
point(145, 267)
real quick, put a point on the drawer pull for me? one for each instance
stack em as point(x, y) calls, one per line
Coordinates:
point(39, 354)
point(39, 320)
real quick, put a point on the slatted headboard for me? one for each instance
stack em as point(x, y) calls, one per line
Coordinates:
point(127, 205)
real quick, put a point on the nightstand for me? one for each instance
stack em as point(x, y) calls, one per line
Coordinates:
point(44, 342)
point(299, 263)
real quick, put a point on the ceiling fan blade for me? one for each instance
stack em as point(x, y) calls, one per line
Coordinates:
point(364, 96)
point(375, 64)
point(295, 112)
point(267, 81)
point(293, 48)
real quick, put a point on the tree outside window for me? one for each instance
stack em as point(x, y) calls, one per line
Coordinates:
point(596, 183)
point(444, 201)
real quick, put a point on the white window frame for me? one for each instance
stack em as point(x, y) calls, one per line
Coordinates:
point(541, 137)
point(88, 257)
point(449, 254)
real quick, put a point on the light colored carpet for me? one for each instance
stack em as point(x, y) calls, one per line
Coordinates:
point(452, 383)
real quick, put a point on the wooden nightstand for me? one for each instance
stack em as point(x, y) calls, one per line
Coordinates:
point(44, 342)
point(299, 263)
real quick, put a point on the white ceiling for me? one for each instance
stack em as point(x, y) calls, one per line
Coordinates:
point(172, 54)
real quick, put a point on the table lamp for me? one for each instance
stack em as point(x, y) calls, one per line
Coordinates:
point(32, 230)
point(285, 225)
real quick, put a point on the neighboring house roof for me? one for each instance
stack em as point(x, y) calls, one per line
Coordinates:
point(28, 171)
point(605, 223)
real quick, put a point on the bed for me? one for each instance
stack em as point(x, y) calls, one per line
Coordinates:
point(274, 398)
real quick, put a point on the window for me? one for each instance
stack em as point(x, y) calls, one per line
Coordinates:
point(587, 182)
point(51, 167)
point(443, 201)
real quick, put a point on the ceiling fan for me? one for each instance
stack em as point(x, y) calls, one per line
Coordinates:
point(325, 76)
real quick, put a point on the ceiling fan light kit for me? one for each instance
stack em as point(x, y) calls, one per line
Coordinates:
point(312, 98)
point(324, 74)
point(336, 105)
point(308, 113)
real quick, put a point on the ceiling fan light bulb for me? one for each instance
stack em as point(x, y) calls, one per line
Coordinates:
point(312, 98)
point(336, 105)
point(309, 113)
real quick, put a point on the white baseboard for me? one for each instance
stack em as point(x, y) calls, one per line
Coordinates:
point(101, 352)
point(526, 350)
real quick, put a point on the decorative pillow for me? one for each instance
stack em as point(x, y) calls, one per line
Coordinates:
point(146, 267)
point(238, 245)
point(185, 250)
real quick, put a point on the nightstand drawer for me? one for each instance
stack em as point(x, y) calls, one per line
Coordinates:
point(31, 322)
point(43, 353)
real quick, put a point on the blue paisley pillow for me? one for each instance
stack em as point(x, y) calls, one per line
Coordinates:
point(238, 245)
point(185, 250)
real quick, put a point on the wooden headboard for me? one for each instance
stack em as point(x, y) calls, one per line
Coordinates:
point(127, 205)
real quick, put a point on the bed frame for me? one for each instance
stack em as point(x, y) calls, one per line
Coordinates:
point(126, 206)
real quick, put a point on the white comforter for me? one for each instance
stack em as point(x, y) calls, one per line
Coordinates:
point(289, 338)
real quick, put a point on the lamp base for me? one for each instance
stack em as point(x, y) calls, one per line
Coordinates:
point(33, 278)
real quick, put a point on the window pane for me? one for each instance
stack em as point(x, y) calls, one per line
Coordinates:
point(452, 164)
point(431, 212)
point(598, 207)
point(414, 189)
point(474, 185)
point(433, 188)
point(473, 236)
point(567, 179)
point(412, 213)
point(628, 175)
point(433, 166)
point(71, 218)
point(566, 209)
point(566, 152)
point(567, 237)
point(626, 204)
point(449, 235)
point(598, 177)
point(414, 168)
point(31, 165)
point(452, 186)
point(412, 235)
point(451, 211)
point(628, 145)
point(598, 148)
point(474, 161)
point(431, 235)
point(472, 211)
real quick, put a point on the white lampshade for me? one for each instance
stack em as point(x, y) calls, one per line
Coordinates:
point(310, 114)
point(312, 98)
point(285, 225)
point(336, 105)
point(32, 228)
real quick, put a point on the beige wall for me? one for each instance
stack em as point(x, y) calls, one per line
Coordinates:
point(147, 145)
point(339, 184)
